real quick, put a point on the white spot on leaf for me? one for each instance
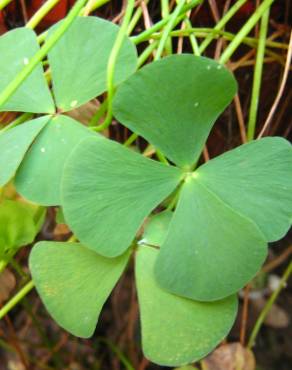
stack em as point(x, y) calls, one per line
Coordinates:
point(73, 103)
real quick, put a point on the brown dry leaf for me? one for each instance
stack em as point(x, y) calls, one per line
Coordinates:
point(231, 356)
point(84, 113)
point(15, 365)
point(61, 231)
point(277, 317)
point(7, 284)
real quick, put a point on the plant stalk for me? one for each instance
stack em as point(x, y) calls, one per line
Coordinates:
point(248, 26)
point(268, 306)
point(169, 26)
point(112, 62)
point(165, 13)
point(3, 3)
point(41, 13)
point(221, 24)
point(257, 77)
point(157, 26)
point(17, 298)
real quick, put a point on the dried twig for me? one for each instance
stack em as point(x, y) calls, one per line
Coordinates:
point(281, 89)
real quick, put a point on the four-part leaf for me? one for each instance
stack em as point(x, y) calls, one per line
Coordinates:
point(212, 244)
point(109, 190)
point(74, 283)
point(177, 331)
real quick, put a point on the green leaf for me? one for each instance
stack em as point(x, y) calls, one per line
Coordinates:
point(174, 113)
point(108, 190)
point(14, 143)
point(156, 228)
point(79, 61)
point(177, 331)
point(39, 176)
point(17, 227)
point(74, 283)
point(33, 95)
point(210, 251)
point(256, 180)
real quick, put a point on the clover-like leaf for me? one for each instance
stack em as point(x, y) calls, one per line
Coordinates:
point(79, 61)
point(74, 283)
point(17, 226)
point(108, 190)
point(175, 114)
point(210, 250)
point(33, 95)
point(39, 176)
point(177, 331)
point(14, 143)
point(255, 179)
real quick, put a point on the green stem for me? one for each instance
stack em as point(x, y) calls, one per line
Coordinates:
point(35, 60)
point(16, 266)
point(102, 109)
point(164, 8)
point(135, 19)
point(3, 3)
point(245, 31)
point(174, 199)
point(268, 306)
point(168, 28)
point(6, 260)
point(157, 26)
point(221, 24)
point(130, 140)
point(161, 157)
point(97, 115)
point(3, 264)
point(147, 52)
point(204, 32)
point(112, 62)
point(165, 13)
point(171, 23)
point(17, 298)
point(192, 38)
point(257, 77)
point(41, 13)
point(118, 352)
point(94, 6)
